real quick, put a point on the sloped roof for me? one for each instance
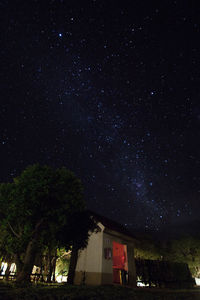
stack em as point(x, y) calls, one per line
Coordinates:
point(110, 224)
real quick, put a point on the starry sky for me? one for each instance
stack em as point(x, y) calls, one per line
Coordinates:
point(110, 90)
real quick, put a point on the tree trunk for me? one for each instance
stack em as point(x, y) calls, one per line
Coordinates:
point(72, 266)
point(49, 263)
point(54, 265)
point(19, 263)
point(7, 272)
point(24, 275)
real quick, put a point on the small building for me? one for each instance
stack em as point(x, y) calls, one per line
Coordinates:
point(109, 256)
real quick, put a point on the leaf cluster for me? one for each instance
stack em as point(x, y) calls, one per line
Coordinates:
point(45, 204)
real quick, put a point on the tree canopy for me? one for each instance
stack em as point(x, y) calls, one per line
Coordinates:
point(185, 250)
point(42, 207)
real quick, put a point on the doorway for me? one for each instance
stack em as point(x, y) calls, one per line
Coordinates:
point(120, 263)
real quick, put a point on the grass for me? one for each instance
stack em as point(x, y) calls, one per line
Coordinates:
point(67, 292)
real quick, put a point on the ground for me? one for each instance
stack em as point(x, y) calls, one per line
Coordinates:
point(64, 292)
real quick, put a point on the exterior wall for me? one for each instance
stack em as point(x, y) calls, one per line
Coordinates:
point(89, 264)
point(131, 265)
point(92, 266)
point(107, 264)
point(107, 270)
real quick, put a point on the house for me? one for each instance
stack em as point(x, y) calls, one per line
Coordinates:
point(109, 256)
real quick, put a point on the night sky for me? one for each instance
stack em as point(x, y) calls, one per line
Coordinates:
point(110, 90)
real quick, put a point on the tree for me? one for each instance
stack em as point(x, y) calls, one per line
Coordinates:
point(185, 250)
point(63, 261)
point(147, 248)
point(84, 221)
point(41, 207)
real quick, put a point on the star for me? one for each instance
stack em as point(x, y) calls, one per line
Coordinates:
point(106, 96)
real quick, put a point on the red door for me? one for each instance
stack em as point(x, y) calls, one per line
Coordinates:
point(119, 261)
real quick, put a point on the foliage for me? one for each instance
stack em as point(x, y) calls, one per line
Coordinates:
point(63, 260)
point(164, 273)
point(43, 207)
point(185, 250)
point(146, 248)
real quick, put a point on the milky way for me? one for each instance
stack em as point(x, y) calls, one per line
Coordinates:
point(111, 91)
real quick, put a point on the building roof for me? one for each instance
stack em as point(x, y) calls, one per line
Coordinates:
point(110, 224)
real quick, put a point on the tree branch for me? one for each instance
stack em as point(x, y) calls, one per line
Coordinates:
point(37, 226)
point(17, 235)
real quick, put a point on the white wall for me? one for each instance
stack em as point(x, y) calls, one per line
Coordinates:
point(90, 259)
point(107, 263)
point(92, 262)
